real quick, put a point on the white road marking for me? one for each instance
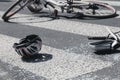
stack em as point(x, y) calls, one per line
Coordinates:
point(118, 12)
point(113, 3)
point(3, 73)
point(62, 66)
point(75, 27)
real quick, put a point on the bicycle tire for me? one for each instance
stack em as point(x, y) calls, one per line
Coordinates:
point(8, 13)
point(111, 11)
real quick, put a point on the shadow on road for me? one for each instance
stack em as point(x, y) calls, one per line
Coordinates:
point(42, 57)
point(107, 52)
point(46, 16)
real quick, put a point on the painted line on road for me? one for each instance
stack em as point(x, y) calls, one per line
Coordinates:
point(63, 65)
point(75, 27)
point(118, 12)
point(113, 3)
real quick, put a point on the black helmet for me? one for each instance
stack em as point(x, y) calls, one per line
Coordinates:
point(28, 46)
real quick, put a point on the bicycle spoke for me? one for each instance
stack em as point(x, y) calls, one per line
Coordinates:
point(98, 10)
point(16, 7)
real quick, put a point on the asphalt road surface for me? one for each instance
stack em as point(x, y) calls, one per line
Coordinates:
point(66, 52)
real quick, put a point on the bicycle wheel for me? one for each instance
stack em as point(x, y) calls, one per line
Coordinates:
point(16, 7)
point(97, 10)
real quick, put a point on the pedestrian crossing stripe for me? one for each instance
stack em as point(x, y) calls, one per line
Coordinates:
point(63, 65)
point(113, 3)
point(118, 12)
point(80, 28)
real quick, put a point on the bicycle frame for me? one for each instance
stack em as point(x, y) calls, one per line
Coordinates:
point(113, 39)
point(87, 9)
point(68, 4)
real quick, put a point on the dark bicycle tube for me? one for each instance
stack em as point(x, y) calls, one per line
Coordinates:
point(97, 38)
point(6, 15)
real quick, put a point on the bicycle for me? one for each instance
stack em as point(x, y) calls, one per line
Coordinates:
point(109, 42)
point(85, 8)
